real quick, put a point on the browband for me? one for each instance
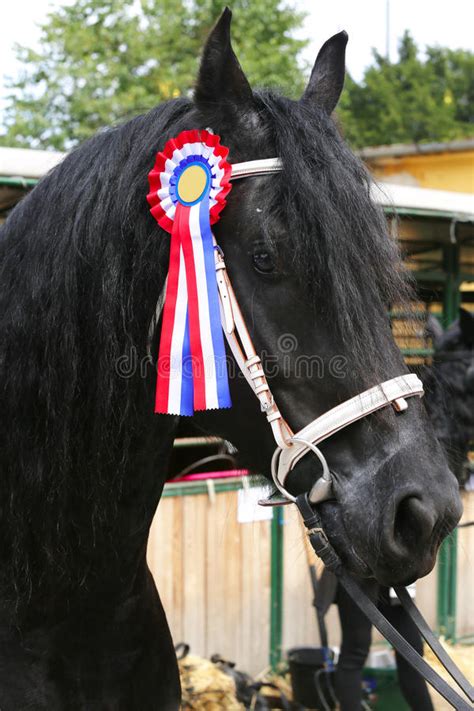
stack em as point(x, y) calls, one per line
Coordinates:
point(263, 166)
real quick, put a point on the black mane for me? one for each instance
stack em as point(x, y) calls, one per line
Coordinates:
point(82, 263)
point(81, 267)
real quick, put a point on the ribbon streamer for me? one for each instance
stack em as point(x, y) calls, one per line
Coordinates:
point(188, 187)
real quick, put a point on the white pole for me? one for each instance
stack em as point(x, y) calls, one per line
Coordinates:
point(387, 30)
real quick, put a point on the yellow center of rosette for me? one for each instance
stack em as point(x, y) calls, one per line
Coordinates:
point(192, 184)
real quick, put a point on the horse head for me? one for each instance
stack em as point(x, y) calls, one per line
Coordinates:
point(450, 389)
point(314, 270)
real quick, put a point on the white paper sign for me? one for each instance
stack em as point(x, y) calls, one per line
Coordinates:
point(248, 509)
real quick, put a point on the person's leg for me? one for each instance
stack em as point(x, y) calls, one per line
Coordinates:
point(356, 636)
point(412, 684)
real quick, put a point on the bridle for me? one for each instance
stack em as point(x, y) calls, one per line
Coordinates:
point(291, 447)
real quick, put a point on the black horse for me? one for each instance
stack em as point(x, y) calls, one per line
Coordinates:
point(450, 390)
point(83, 458)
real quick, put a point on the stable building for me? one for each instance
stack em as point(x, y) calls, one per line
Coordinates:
point(439, 166)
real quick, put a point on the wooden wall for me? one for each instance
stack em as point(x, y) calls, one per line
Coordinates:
point(465, 582)
point(213, 575)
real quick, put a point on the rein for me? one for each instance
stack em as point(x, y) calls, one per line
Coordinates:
point(291, 447)
point(328, 555)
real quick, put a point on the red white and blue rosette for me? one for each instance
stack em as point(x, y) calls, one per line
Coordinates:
point(188, 188)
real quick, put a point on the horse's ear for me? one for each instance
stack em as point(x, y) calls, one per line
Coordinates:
point(327, 78)
point(466, 323)
point(433, 329)
point(221, 79)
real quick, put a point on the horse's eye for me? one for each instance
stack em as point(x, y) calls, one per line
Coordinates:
point(263, 261)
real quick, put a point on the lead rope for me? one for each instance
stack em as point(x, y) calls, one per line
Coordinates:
point(328, 555)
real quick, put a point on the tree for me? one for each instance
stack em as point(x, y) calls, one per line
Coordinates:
point(412, 100)
point(103, 61)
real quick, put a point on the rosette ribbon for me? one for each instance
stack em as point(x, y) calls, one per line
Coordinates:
point(188, 187)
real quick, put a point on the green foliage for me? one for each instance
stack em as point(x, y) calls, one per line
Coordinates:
point(103, 61)
point(413, 100)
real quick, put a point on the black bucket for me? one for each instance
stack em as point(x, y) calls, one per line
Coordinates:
point(312, 684)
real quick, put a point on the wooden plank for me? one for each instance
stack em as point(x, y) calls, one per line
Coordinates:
point(246, 563)
point(265, 593)
point(194, 564)
point(426, 596)
point(465, 572)
point(216, 588)
point(160, 553)
point(178, 572)
point(255, 595)
point(299, 621)
point(232, 574)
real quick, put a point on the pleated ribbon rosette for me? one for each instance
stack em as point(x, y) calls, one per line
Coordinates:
point(188, 188)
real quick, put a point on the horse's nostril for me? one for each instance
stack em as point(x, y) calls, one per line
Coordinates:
point(414, 522)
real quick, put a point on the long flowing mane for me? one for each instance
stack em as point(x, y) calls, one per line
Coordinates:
point(81, 266)
point(80, 271)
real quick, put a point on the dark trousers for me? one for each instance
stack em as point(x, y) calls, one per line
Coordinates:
point(356, 638)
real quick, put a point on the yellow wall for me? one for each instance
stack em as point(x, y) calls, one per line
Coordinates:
point(441, 171)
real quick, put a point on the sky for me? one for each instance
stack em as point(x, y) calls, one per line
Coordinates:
point(449, 23)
